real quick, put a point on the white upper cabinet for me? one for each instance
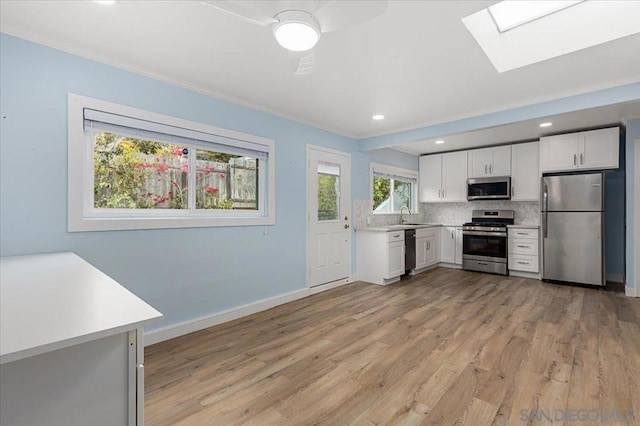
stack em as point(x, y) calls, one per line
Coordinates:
point(454, 176)
point(599, 149)
point(430, 178)
point(591, 150)
point(494, 161)
point(559, 152)
point(525, 171)
point(443, 177)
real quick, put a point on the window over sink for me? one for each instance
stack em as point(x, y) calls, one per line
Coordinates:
point(392, 189)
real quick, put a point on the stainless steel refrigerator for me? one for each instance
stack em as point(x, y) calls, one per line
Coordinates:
point(573, 228)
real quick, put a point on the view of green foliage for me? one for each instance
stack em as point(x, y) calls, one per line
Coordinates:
point(124, 169)
point(328, 197)
point(381, 190)
point(118, 178)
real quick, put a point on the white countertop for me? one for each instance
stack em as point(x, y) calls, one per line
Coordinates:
point(392, 228)
point(53, 301)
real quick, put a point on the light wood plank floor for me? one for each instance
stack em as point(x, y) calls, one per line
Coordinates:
point(445, 347)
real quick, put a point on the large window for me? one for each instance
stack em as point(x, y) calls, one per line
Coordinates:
point(392, 189)
point(132, 169)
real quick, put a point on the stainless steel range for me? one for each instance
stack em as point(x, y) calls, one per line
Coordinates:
point(484, 241)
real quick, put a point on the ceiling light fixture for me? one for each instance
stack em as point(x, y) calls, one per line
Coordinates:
point(439, 142)
point(378, 117)
point(509, 14)
point(546, 124)
point(296, 30)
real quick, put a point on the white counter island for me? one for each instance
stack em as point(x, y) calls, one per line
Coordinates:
point(71, 349)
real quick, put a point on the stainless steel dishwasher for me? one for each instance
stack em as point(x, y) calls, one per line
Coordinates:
point(409, 249)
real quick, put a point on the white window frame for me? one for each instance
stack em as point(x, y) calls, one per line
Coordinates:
point(82, 216)
point(400, 172)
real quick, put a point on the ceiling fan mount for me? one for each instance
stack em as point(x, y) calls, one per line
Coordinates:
point(296, 30)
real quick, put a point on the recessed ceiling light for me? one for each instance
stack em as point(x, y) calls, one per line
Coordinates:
point(296, 31)
point(439, 142)
point(547, 124)
point(510, 14)
point(378, 117)
point(106, 2)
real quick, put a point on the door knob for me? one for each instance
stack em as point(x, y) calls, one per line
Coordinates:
point(346, 226)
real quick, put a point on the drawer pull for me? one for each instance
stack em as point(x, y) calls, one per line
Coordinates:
point(396, 236)
point(521, 246)
point(522, 233)
point(523, 263)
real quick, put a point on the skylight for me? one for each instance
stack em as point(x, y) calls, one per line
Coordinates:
point(565, 27)
point(509, 14)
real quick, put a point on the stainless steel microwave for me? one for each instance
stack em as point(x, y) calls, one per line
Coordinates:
point(490, 188)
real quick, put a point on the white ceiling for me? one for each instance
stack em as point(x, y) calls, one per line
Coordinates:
point(416, 63)
point(527, 130)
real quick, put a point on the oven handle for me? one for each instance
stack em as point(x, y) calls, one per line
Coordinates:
point(484, 233)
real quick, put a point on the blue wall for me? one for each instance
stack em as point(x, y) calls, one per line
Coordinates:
point(614, 219)
point(184, 273)
point(633, 192)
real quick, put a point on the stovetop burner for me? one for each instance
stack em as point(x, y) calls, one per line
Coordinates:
point(487, 224)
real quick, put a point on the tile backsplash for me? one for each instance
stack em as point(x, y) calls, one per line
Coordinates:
point(363, 212)
point(526, 212)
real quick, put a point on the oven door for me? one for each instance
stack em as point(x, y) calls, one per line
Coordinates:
point(480, 245)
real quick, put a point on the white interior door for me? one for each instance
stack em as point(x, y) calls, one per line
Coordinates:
point(329, 215)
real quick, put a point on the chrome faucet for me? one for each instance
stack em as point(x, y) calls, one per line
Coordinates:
point(408, 209)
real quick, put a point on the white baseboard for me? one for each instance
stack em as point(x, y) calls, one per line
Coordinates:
point(329, 286)
point(186, 327)
point(631, 292)
point(615, 278)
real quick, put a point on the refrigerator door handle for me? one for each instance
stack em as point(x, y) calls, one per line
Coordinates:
point(545, 205)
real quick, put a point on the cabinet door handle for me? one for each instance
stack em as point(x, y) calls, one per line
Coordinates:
point(490, 169)
point(485, 169)
point(439, 193)
point(428, 245)
point(444, 193)
point(574, 159)
point(513, 190)
point(581, 159)
point(520, 246)
point(453, 234)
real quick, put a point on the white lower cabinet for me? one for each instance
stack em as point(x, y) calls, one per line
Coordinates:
point(421, 253)
point(380, 256)
point(458, 245)
point(523, 250)
point(395, 260)
point(427, 247)
point(451, 245)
